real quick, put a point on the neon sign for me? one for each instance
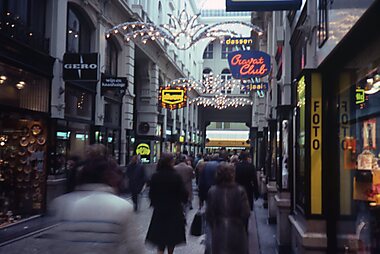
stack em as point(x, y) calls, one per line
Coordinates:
point(143, 149)
point(239, 41)
point(173, 97)
point(249, 64)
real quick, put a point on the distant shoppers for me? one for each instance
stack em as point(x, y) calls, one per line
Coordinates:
point(187, 174)
point(73, 163)
point(246, 176)
point(167, 194)
point(92, 218)
point(227, 211)
point(207, 177)
point(136, 179)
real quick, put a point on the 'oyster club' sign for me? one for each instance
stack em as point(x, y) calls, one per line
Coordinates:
point(249, 64)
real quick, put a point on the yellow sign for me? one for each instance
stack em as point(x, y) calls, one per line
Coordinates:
point(173, 97)
point(143, 149)
point(316, 143)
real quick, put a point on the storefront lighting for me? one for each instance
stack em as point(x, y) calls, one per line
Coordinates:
point(183, 32)
point(20, 85)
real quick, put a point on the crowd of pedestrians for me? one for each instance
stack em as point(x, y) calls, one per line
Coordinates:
point(94, 218)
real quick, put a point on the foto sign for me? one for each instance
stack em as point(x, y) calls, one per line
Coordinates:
point(249, 64)
point(80, 67)
point(173, 97)
point(262, 5)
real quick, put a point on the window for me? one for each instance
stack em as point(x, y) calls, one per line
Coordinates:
point(322, 22)
point(225, 77)
point(225, 50)
point(79, 103)
point(159, 13)
point(111, 58)
point(209, 52)
point(218, 125)
point(300, 139)
point(78, 32)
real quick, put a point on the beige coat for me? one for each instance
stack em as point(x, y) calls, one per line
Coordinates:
point(187, 174)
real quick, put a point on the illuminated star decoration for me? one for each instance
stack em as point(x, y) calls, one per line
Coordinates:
point(213, 97)
point(183, 32)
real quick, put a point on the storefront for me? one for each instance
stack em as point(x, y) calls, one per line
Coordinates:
point(24, 138)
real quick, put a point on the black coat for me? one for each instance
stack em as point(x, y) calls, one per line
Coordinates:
point(245, 175)
point(136, 175)
point(167, 193)
point(227, 213)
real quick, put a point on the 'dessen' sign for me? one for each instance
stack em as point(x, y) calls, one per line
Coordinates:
point(249, 64)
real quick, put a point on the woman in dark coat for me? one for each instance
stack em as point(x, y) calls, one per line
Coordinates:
point(167, 193)
point(227, 213)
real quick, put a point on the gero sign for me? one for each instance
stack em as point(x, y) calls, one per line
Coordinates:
point(249, 64)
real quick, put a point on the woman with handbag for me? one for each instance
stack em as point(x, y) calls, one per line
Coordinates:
point(227, 212)
point(167, 194)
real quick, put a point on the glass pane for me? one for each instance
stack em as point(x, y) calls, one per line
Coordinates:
point(300, 169)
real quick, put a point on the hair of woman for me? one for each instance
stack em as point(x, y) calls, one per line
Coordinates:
point(225, 173)
point(165, 162)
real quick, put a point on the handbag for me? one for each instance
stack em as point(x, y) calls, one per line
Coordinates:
point(196, 228)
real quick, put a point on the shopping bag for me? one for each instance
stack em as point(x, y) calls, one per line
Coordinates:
point(196, 227)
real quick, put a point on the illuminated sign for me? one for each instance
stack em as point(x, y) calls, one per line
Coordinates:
point(360, 96)
point(261, 86)
point(316, 143)
point(173, 97)
point(239, 41)
point(262, 5)
point(181, 139)
point(80, 67)
point(143, 149)
point(249, 64)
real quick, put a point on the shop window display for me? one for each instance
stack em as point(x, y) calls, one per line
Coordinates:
point(359, 118)
point(22, 169)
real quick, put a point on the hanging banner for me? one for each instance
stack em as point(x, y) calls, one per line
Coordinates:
point(173, 97)
point(249, 64)
point(262, 5)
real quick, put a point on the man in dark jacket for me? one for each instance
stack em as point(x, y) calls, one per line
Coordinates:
point(136, 175)
point(246, 176)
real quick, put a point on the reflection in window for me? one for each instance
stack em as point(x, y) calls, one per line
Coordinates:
point(78, 32)
point(78, 103)
point(300, 161)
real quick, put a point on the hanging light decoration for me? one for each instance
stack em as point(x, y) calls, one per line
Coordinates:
point(183, 32)
point(211, 94)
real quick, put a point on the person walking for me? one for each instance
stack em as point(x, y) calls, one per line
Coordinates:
point(246, 176)
point(227, 211)
point(167, 194)
point(92, 219)
point(207, 177)
point(136, 179)
point(187, 174)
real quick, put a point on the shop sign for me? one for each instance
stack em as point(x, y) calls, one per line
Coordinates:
point(249, 64)
point(143, 149)
point(360, 96)
point(260, 86)
point(173, 97)
point(316, 143)
point(262, 5)
point(80, 67)
point(116, 83)
point(244, 41)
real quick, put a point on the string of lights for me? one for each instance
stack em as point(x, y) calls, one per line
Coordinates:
point(211, 94)
point(183, 32)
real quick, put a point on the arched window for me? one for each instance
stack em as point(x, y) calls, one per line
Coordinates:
point(209, 51)
point(111, 58)
point(78, 31)
point(225, 76)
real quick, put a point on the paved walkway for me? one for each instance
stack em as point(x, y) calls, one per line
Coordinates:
point(261, 231)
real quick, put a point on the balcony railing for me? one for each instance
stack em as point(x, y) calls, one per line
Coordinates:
point(12, 28)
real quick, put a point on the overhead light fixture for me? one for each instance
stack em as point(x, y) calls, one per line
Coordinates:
point(20, 85)
point(2, 79)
